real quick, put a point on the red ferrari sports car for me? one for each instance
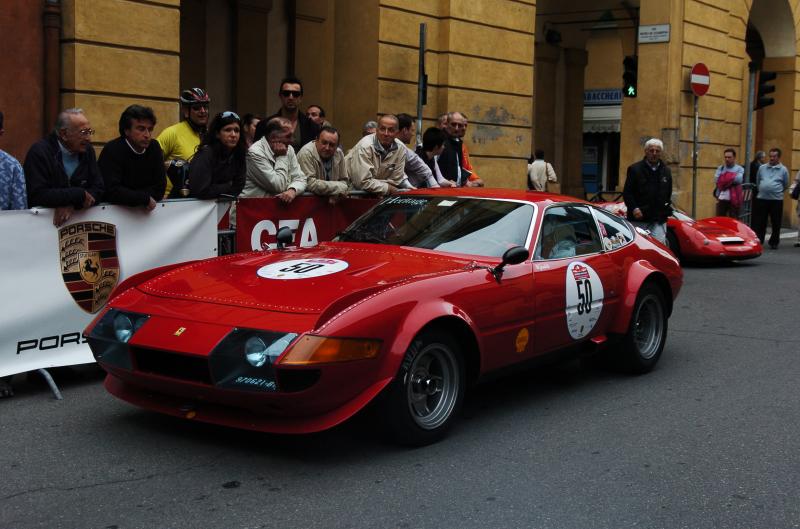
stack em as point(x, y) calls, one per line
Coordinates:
point(711, 239)
point(417, 300)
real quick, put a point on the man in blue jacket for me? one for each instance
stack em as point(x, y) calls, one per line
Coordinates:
point(61, 169)
point(772, 180)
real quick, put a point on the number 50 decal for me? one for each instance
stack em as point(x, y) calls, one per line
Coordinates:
point(584, 295)
point(584, 292)
point(302, 268)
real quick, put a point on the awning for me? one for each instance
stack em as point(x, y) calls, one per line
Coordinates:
point(602, 118)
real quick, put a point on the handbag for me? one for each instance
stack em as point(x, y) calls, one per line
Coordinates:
point(796, 191)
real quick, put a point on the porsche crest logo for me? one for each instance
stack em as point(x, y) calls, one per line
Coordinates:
point(89, 264)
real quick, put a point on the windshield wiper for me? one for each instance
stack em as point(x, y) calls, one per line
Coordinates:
point(361, 234)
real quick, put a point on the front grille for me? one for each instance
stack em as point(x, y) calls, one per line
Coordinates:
point(183, 367)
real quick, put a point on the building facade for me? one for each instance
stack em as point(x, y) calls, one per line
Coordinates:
point(528, 74)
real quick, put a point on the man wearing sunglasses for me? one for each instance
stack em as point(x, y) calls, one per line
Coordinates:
point(179, 142)
point(61, 169)
point(303, 128)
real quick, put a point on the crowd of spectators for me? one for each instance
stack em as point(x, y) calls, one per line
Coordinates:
point(281, 155)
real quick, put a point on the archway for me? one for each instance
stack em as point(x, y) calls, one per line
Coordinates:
point(771, 47)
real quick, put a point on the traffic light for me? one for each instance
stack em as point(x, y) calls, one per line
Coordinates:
point(630, 69)
point(764, 88)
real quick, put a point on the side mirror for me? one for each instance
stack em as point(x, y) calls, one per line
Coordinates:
point(286, 236)
point(512, 256)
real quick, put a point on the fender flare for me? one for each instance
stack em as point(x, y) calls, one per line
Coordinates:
point(430, 313)
point(638, 273)
point(141, 277)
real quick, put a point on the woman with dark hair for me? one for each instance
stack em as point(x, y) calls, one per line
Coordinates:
point(249, 123)
point(432, 146)
point(219, 168)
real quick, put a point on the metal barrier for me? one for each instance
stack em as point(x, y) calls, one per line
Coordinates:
point(748, 196)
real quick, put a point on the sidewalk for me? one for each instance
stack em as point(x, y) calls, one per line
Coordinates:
point(786, 234)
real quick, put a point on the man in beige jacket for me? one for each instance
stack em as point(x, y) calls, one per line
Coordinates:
point(323, 164)
point(376, 164)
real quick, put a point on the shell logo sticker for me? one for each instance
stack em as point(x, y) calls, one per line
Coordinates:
point(302, 268)
point(584, 299)
point(523, 336)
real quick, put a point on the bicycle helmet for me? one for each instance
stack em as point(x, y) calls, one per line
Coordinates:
point(194, 96)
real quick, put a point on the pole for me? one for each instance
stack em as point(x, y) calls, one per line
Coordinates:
point(694, 158)
point(748, 142)
point(422, 83)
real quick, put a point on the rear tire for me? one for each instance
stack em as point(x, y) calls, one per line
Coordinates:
point(421, 403)
point(647, 332)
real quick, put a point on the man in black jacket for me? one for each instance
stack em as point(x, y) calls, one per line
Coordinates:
point(61, 169)
point(133, 164)
point(304, 129)
point(648, 191)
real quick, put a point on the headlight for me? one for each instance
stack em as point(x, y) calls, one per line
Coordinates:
point(110, 336)
point(123, 327)
point(244, 358)
point(255, 350)
point(323, 350)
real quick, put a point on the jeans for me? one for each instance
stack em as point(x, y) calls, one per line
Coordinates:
point(657, 229)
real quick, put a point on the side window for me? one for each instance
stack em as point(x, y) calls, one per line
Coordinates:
point(567, 231)
point(614, 231)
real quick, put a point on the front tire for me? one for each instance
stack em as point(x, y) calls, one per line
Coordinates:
point(647, 332)
point(419, 406)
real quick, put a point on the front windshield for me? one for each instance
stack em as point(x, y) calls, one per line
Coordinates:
point(474, 226)
point(679, 214)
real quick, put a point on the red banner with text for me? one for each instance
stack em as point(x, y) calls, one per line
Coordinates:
point(312, 219)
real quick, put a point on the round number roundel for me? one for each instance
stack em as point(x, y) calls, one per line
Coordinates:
point(584, 299)
point(302, 268)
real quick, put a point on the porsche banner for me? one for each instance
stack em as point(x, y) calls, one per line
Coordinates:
point(312, 219)
point(54, 280)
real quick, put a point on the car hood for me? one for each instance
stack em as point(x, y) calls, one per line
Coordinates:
point(715, 227)
point(299, 281)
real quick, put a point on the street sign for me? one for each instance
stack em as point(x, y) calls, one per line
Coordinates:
point(700, 79)
point(653, 34)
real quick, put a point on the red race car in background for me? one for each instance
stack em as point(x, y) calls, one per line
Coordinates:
point(711, 239)
point(417, 300)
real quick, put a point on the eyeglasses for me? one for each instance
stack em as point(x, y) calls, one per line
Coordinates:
point(199, 106)
point(86, 132)
point(458, 125)
point(230, 114)
point(293, 93)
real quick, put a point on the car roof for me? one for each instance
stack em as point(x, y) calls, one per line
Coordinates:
point(538, 197)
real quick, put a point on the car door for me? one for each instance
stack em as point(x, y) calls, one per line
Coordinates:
point(572, 278)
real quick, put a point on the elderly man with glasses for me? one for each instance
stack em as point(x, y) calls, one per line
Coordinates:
point(61, 169)
point(454, 161)
point(303, 128)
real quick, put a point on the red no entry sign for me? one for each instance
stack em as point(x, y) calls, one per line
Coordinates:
point(700, 79)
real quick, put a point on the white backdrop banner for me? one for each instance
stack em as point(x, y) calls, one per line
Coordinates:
point(55, 280)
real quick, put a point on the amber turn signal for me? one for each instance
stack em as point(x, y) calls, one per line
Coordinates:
point(321, 350)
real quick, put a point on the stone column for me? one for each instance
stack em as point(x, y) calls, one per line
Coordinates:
point(544, 94)
point(251, 43)
point(51, 20)
point(571, 177)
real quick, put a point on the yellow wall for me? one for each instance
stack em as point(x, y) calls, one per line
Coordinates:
point(119, 52)
point(711, 32)
point(467, 71)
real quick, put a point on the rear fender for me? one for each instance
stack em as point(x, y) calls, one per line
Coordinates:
point(638, 273)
